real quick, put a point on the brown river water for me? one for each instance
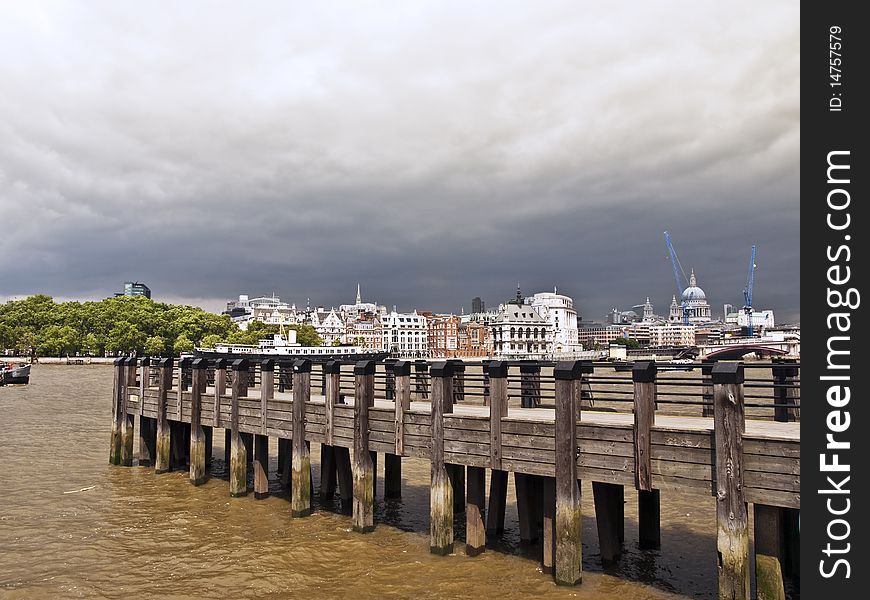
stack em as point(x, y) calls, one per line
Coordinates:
point(73, 526)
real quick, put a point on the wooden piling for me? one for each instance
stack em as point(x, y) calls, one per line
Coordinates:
point(117, 395)
point(643, 375)
point(441, 490)
point(609, 501)
point(707, 387)
point(285, 459)
point(261, 466)
point(238, 469)
point(475, 512)
point(344, 470)
point(392, 476)
point(327, 473)
point(147, 430)
point(126, 418)
point(530, 385)
point(162, 460)
point(220, 388)
point(363, 466)
point(548, 549)
point(498, 408)
point(769, 544)
point(524, 486)
point(197, 435)
point(569, 552)
point(300, 495)
point(731, 514)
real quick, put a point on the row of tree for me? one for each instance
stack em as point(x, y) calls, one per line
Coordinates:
point(39, 326)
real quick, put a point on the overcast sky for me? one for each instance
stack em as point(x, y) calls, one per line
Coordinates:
point(430, 151)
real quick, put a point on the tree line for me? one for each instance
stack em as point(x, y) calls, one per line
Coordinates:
point(39, 326)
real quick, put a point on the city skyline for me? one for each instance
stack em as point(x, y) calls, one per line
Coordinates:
point(421, 152)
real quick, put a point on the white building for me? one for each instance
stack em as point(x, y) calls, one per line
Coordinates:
point(761, 319)
point(519, 332)
point(359, 309)
point(672, 334)
point(268, 309)
point(329, 326)
point(696, 304)
point(405, 335)
point(558, 310)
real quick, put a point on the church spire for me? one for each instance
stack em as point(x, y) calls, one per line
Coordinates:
point(692, 281)
point(358, 295)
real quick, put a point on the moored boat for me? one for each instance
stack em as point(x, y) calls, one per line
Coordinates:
point(278, 346)
point(11, 374)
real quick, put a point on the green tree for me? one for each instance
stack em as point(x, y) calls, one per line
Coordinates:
point(155, 345)
point(7, 337)
point(627, 342)
point(211, 340)
point(90, 345)
point(57, 340)
point(182, 344)
point(125, 338)
point(307, 335)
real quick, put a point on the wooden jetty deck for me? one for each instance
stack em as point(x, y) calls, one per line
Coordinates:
point(737, 460)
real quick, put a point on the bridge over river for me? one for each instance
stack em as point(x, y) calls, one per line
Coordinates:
point(729, 430)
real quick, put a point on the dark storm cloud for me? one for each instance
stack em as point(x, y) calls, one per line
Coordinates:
point(432, 152)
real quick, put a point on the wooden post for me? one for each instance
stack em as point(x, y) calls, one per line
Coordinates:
point(548, 558)
point(569, 551)
point(363, 466)
point(402, 374)
point(786, 389)
point(498, 408)
point(345, 478)
point(530, 385)
point(421, 368)
point(197, 435)
point(441, 490)
point(524, 486)
point(458, 380)
point(475, 512)
point(485, 368)
point(769, 541)
point(643, 374)
point(220, 388)
point(127, 422)
point(731, 514)
point(238, 471)
point(332, 373)
point(300, 496)
point(609, 501)
point(117, 394)
point(147, 441)
point(261, 440)
point(161, 462)
point(707, 387)
point(327, 473)
point(285, 459)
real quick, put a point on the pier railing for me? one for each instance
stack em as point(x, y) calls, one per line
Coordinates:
point(725, 429)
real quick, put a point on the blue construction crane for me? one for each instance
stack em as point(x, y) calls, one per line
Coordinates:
point(747, 292)
point(678, 269)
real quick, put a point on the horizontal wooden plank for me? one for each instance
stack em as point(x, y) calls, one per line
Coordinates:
point(457, 447)
point(467, 435)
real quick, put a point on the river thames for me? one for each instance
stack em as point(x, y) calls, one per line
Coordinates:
point(73, 526)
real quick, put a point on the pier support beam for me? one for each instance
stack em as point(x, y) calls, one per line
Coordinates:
point(441, 490)
point(197, 435)
point(643, 375)
point(327, 473)
point(475, 512)
point(769, 544)
point(127, 418)
point(300, 494)
point(524, 485)
point(497, 372)
point(238, 468)
point(117, 395)
point(285, 458)
point(345, 478)
point(363, 465)
point(161, 461)
point(261, 466)
point(609, 515)
point(147, 442)
point(548, 550)
point(392, 476)
point(457, 480)
point(569, 550)
point(732, 540)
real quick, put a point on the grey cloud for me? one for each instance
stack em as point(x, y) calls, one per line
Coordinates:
point(433, 151)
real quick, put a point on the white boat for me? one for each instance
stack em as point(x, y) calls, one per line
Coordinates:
point(278, 346)
point(11, 374)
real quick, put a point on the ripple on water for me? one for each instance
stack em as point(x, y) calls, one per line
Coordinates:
point(138, 535)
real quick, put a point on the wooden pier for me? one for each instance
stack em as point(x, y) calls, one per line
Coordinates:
point(465, 424)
